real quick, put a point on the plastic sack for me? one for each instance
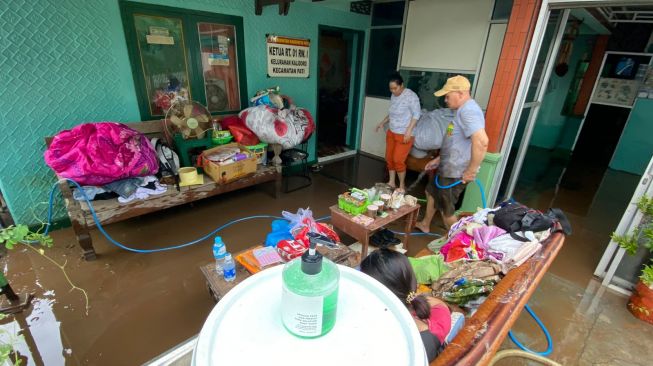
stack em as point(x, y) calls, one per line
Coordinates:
point(430, 129)
point(287, 127)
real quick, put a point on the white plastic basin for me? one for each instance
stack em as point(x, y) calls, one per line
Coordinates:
point(372, 328)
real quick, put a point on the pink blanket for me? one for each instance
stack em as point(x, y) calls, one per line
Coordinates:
point(100, 153)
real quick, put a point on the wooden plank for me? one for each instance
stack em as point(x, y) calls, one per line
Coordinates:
point(486, 330)
point(110, 211)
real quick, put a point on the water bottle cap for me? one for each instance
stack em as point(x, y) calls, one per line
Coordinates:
point(218, 240)
point(227, 256)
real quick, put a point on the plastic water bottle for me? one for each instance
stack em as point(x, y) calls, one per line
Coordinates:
point(219, 252)
point(229, 268)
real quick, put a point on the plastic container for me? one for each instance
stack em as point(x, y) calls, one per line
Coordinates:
point(373, 328)
point(219, 252)
point(380, 205)
point(310, 294)
point(261, 152)
point(372, 211)
point(221, 137)
point(229, 268)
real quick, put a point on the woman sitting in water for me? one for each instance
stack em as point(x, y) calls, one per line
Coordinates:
point(432, 316)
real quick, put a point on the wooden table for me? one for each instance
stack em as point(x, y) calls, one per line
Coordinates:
point(343, 221)
point(218, 287)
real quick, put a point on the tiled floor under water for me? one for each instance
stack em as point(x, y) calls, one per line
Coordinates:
point(144, 304)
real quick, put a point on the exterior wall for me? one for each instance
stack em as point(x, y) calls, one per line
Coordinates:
point(65, 62)
point(511, 66)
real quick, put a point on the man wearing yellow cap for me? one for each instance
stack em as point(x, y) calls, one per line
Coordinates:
point(461, 153)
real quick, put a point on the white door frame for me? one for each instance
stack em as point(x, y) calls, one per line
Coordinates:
point(631, 219)
point(527, 74)
point(534, 105)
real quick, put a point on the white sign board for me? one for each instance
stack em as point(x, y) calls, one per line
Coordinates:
point(287, 57)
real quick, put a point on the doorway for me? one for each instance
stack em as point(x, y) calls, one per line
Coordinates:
point(339, 75)
point(573, 154)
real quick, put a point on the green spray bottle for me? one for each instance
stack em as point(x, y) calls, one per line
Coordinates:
point(310, 294)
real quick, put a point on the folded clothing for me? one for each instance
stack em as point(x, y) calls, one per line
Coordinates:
point(466, 290)
point(151, 189)
point(472, 270)
point(127, 187)
point(461, 246)
point(509, 252)
point(428, 268)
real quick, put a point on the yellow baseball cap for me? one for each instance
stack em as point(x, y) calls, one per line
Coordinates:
point(454, 83)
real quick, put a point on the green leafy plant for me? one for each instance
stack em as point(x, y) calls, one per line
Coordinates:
point(647, 275)
point(12, 236)
point(8, 345)
point(643, 234)
point(628, 242)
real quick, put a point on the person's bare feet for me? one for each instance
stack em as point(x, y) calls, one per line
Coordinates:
point(423, 227)
point(391, 184)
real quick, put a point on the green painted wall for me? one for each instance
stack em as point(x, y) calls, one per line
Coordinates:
point(635, 147)
point(552, 129)
point(65, 62)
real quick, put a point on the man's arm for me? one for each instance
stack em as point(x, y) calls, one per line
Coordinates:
point(479, 148)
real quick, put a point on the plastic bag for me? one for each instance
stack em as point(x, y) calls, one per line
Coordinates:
point(303, 218)
point(302, 222)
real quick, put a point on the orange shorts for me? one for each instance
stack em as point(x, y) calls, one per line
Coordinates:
point(396, 151)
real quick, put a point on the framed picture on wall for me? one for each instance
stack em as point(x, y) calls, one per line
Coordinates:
point(620, 92)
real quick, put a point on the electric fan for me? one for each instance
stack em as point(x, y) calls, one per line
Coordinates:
point(190, 119)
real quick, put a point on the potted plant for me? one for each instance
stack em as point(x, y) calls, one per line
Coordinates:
point(640, 303)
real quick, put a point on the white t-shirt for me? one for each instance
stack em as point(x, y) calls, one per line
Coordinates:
point(402, 109)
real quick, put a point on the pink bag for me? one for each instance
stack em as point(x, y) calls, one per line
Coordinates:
point(100, 153)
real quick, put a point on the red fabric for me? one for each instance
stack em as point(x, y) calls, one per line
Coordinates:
point(242, 134)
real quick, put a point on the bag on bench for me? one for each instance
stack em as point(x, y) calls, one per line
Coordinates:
point(514, 217)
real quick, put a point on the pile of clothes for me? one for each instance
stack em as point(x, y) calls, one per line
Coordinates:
point(480, 249)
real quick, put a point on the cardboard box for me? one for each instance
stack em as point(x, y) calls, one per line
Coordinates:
point(222, 174)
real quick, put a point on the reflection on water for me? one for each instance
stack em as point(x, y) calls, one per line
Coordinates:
point(41, 342)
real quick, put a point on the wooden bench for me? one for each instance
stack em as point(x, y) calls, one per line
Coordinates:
point(110, 211)
point(485, 331)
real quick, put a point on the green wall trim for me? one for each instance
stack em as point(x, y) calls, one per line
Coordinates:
point(635, 147)
point(65, 62)
point(472, 199)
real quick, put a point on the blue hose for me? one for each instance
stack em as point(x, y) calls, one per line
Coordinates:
point(478, 183)
point(120, 245)
point(173, 247)
point(549, 341)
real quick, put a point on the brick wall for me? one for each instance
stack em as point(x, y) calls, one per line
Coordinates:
point(509, 70)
